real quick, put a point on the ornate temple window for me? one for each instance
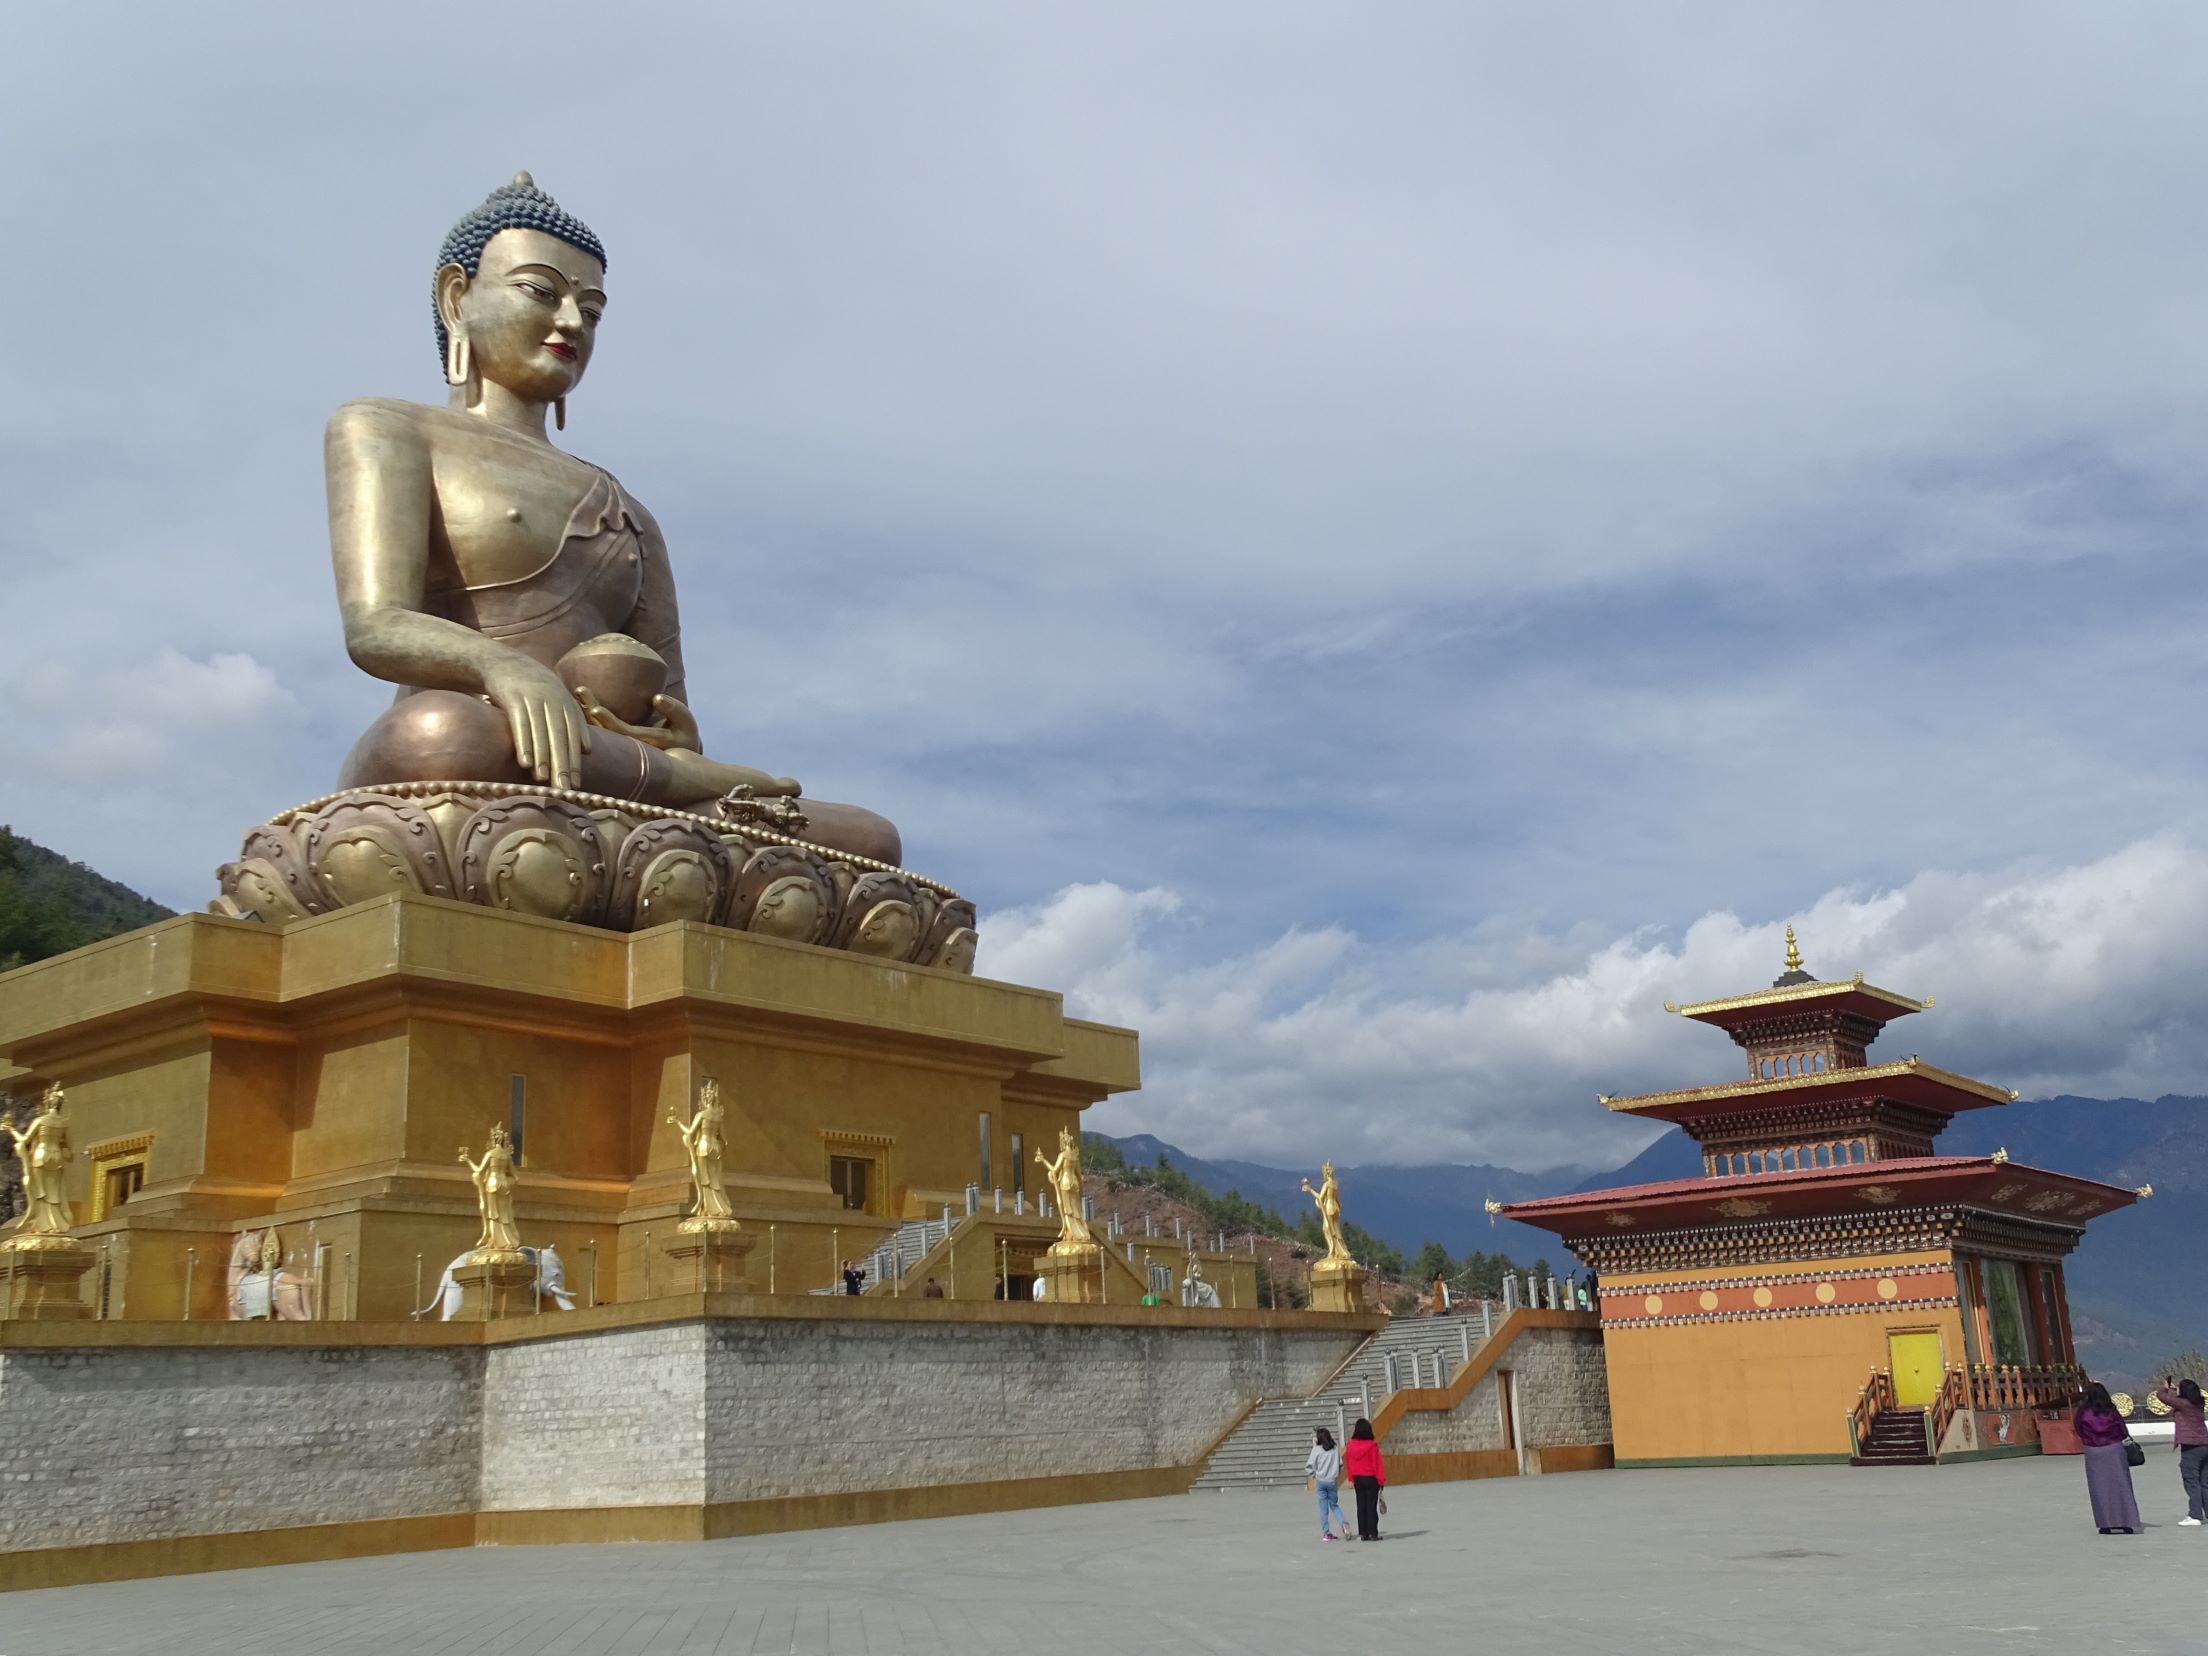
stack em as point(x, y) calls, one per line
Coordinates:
point(857, 1168)
point(2007, 1312)
point(118, 1171)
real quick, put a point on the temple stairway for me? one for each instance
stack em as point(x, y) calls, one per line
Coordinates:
point(1270, 1446)
point(1896, 1438)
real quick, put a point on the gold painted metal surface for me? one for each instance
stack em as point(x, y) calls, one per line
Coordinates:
point(701, 1142)
point(42, 1153)
point(494, 1196)
point(1328, 1200)
point(540, 754)
point(1064, 1173)
point(318, 1077)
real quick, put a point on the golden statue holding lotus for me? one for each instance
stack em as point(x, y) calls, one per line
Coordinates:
point(42, 1156)
point(1337, 1281)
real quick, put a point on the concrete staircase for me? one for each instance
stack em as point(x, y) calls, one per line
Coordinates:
point(1896, 1438)
point(1270, 1446)
point(904, 1248)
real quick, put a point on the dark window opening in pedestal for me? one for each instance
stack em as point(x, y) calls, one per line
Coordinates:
point(852, 1178)
point(123, 1183)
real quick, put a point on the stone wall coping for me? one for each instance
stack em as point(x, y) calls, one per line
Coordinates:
point(676, 1309)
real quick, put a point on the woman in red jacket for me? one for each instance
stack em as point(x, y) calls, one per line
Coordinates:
point(1361, 1460)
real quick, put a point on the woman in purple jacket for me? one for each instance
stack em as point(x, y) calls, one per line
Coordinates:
point(2182, 1398)
point(2102, 1432)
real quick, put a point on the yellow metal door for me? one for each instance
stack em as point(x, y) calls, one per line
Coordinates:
point(1916, 1365)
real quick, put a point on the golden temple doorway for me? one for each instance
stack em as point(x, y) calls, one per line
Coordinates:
point(1915, 1361)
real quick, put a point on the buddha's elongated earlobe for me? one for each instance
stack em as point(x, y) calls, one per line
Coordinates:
point(559, 413)
point(458, 358)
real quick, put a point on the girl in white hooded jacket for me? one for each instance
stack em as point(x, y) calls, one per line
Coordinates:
point(1323, 1466)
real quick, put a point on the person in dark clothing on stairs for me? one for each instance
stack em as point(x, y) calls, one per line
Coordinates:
point(1361, 1460)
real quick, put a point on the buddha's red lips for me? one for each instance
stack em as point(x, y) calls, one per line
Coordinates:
point(557, 349)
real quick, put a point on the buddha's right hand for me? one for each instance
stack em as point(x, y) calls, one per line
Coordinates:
point(550, 734)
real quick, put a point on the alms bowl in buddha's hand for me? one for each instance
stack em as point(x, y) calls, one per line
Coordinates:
point(622, 675)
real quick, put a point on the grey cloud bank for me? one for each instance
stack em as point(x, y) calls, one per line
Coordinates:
point(1386, 479)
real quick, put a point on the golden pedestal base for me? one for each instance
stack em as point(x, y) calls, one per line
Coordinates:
point(41, 1278)
point(496, 1283)
point(717, 1252)
point(1337, 1285)
point(1074, 1275)
point(317, 1078)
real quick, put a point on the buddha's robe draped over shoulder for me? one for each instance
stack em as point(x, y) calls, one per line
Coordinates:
point(603, 577)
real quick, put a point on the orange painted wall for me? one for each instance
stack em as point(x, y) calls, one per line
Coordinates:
point(1739, 1379)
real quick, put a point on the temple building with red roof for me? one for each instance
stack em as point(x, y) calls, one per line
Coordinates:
point(1829, 1289)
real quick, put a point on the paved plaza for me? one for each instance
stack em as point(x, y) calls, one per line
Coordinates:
point(1996, 1558)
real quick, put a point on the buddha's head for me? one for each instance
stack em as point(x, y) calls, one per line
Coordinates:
point(520, 286)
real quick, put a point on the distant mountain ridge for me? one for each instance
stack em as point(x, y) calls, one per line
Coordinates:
point(50, 905)
point(2138, 1284)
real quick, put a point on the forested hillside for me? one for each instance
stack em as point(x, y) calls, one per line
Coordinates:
point(49, 904)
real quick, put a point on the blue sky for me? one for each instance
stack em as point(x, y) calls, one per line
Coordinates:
point(1377, 545)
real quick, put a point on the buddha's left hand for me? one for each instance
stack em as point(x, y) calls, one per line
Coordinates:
point(678, 734)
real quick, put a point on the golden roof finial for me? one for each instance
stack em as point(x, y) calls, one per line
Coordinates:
point(1793, 954)
point(2001, 1155)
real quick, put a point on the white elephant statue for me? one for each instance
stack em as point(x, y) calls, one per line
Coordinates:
point(551, 1284)
point(261, 1285)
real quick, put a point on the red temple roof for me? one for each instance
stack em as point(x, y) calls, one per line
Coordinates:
point(1864, 1000)
point(1909, 1081)
point(1853, 1188)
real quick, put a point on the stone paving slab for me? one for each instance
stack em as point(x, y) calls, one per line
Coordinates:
point(1999, 1557)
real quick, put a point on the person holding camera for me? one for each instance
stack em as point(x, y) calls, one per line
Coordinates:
point(2183, 1399)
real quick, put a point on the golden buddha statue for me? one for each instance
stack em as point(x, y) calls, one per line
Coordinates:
point(540, 756)
point(472, 556)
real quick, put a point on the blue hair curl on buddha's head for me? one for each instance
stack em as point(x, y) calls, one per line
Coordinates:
point(516, 206)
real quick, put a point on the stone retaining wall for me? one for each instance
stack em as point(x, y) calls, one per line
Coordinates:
point(114, 1445)
point(1562, 1390)
point(231, 1430)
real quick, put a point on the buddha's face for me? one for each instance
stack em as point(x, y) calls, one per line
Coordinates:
point(530, 314)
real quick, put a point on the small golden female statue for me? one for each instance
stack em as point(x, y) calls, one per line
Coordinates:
point(701, 1141)
point(494, 1194)
point(1065, 1179)
point(42, 1151)
point(1328, 1199)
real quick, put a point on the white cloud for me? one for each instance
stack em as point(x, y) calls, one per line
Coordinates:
point(147, 767)
point(2066, 979)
